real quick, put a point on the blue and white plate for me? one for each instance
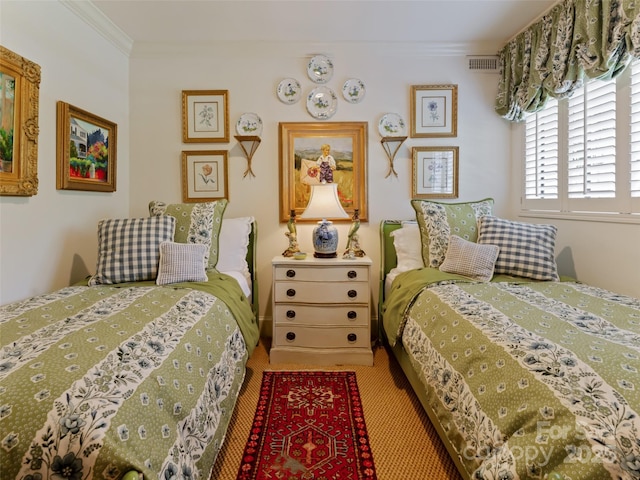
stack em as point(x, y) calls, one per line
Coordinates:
point(353, 90)
point(322, 103)
point(320, 69)
point(289, 91)
point(249, 124)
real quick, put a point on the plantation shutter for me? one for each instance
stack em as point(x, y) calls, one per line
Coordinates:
point(541, 153)
point(592, 141)
point(635, 129)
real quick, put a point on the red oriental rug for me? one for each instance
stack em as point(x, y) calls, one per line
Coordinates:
point(308, 425)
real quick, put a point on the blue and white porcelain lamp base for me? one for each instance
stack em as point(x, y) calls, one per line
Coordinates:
point(325, 240)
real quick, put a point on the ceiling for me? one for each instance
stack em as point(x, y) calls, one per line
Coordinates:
point(485, 23)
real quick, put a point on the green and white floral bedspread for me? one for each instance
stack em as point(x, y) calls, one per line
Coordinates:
point(529, 380)
point(97, 381)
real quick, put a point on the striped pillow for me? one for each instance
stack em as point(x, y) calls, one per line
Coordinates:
point(470, 259)
point(439, 220)
point(526, 250)
point(182, 262)
point(129, 249)
point(195, 223)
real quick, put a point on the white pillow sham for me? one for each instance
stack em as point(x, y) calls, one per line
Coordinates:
point(408, 245)
point(234, 244)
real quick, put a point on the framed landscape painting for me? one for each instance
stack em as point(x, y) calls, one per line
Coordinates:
point(19, 101)
point(86, 158)
point(302, 147)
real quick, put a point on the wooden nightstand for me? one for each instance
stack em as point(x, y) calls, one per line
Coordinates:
point(321, 311)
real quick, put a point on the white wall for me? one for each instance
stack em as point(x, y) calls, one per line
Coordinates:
point(49, 240)
point(251, 73)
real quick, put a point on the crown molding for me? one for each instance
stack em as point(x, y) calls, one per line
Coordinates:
point(94, 17)
point(244, 49)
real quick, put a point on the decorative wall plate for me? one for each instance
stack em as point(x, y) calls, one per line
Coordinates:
point(320, 69)
point(353, 90)
point(392, 125)
point(289, 91)
point(322, 103)
point(249, 124)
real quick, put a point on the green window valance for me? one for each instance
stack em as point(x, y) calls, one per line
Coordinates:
point(576, 39)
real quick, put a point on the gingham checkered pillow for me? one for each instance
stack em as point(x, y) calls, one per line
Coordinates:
point(129, 248)
point(526, 249)
point(182, 262)
point(470, 259)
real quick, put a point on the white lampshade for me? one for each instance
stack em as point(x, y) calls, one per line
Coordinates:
point(324, 202)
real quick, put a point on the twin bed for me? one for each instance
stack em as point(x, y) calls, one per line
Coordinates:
point(129, 374)
point(522, 377)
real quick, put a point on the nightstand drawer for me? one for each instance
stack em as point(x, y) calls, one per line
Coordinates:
point(321, 292)
point(329, 274)
point(322, 337)
point(341, 315)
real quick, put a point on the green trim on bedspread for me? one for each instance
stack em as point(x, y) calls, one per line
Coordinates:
point(528, 379)
point(96, 381)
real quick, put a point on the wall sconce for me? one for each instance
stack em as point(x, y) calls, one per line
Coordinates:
point(324, 203)
point(249, 144)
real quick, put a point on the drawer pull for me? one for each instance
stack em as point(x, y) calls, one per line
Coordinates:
point(352, 337)
point(351, 314)
point(352, 274)
point(291, 314)
point(352, 293)
point(291, 292)
point(291, 273)
point(291, 336)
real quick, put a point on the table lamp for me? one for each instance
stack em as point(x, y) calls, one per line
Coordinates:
point(324, 203)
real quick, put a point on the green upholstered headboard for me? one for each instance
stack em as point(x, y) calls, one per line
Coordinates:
point(252, 263)
point(388, 258)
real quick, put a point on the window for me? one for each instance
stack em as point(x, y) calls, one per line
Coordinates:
point(582, 154)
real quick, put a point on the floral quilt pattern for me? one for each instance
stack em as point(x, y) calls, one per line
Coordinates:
point(532, 380)
point(97, 381)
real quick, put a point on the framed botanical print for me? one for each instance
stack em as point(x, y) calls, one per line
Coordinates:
point(434, 110)
point(205, 116)
point(312, 153)
point(204, 176)
point(86, 150)
point(435, 172)
point(19, 100)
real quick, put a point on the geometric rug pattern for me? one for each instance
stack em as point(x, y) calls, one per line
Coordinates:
point(308, 425)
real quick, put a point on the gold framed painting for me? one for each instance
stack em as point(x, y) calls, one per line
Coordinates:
point(86, 150)
point(435, 172)
point(303, 146)
point(19, 103)
point(434, 110)
point(205, 116)
point(204, 176)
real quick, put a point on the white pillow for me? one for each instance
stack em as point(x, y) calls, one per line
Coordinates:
point(408, 245)
point(182, 262)
point(470, 259)
point(234, 244)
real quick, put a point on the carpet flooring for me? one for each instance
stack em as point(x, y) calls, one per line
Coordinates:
point(404, 444)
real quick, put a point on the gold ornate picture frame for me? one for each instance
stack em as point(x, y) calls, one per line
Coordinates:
point(434, 111)
point(434, 172)
point(87, 150)
point(300, 146)
point(205, 116)
point(19, 100)
point(204, 176)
